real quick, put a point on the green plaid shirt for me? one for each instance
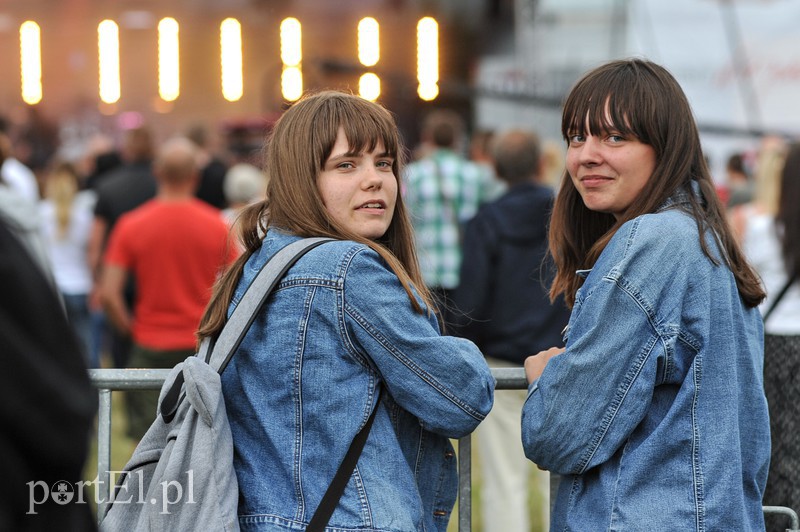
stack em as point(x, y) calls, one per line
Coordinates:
point(442, 192)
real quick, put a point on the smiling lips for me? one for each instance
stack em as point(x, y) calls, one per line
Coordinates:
point(373, 205)
point(593, 181)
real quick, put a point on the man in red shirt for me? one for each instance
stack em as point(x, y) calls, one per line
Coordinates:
point(174, 246)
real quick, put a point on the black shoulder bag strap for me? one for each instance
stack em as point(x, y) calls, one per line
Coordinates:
point(780, 295)
point(334, 492)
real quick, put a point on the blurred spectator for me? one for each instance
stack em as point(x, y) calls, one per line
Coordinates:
point(766, 190)
point(36, 140)
point(66, 214)
point(212, 168)
point(15, 174)
point(48, 404)
point(99, 158)
point(244, 184)
point(21, 217)
point(443, 191)
point(772, 244)
point(739, 183)
point(503, 305)
point(122, 189)
point(174, 246)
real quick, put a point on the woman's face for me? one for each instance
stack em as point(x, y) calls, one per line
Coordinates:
point(359, 190)
point(609, 170)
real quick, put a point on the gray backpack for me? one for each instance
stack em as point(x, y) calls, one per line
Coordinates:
point(181, 474)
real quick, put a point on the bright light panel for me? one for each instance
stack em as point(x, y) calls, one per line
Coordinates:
point(291, 47)
point(369, 86)
point(108, 61)
point(168, 63)
point(31, 62)
point(292, 83)
point(230, 34)
point(428, 58)
point(369, 51)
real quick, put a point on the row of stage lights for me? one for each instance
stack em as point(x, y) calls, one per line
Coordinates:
point(231, 59)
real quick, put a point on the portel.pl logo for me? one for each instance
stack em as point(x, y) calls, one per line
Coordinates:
point(167, 494)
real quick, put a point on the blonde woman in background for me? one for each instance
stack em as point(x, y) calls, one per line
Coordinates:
point(66, 219)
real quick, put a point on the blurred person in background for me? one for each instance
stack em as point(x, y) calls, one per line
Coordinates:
point(443, 190)
point(66, 217)
point(122, 189)
point(212, 168)
point(740, 185)
point(244, 184)
point(502, 304)
point(14, 173)
point(771, 241)
point(174, 247)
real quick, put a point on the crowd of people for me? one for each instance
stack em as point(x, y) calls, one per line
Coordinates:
point(654, 308)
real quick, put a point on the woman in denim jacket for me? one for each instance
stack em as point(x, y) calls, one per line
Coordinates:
point(350, 317)
point(654, 413)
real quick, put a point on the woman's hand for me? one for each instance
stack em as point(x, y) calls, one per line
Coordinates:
point(534, 365)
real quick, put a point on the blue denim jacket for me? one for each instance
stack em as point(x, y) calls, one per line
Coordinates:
point(655, 414)
point(306, 377)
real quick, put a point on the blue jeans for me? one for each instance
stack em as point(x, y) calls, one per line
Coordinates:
point(79, 318)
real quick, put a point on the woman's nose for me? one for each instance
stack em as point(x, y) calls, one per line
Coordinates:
point(590, 152)
point(372, 178)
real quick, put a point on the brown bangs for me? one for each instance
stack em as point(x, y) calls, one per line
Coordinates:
point(364, 125)
point(603, 102)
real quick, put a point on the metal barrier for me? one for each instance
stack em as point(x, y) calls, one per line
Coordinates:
point(108, 380)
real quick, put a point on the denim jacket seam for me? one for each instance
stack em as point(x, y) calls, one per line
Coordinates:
point(697, 470)
point(362, 496)
point(299, 436)
point(630, 376)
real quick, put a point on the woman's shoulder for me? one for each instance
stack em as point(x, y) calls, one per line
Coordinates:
point(668, 228)
point(662, 242)
point(334, 256)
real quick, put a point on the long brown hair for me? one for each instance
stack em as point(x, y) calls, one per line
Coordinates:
point(639, 99)
point(788, 215)
point(295, 153)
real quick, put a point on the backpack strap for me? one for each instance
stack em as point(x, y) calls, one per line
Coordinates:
point(334, 492)
point(218, 352)
point(254, 298)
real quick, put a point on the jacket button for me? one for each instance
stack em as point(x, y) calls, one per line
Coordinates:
point(449, 454)
point(439, 513)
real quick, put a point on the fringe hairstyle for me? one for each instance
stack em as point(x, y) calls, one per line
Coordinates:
point(295, 153)
point(640, 99)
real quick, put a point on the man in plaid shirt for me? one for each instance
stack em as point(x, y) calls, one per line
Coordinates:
point(443, 191)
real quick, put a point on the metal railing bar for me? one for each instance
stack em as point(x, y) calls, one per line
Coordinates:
point(108, 380)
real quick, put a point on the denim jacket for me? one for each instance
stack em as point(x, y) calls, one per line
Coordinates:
point(655, 414)
point(306, 377)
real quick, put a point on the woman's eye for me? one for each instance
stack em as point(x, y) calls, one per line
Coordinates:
point(345, 166)
point(616, 138)
point(576, 138)
point(385, 164)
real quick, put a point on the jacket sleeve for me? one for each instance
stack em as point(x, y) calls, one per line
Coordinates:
point(590, 398)
point(442, 380)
